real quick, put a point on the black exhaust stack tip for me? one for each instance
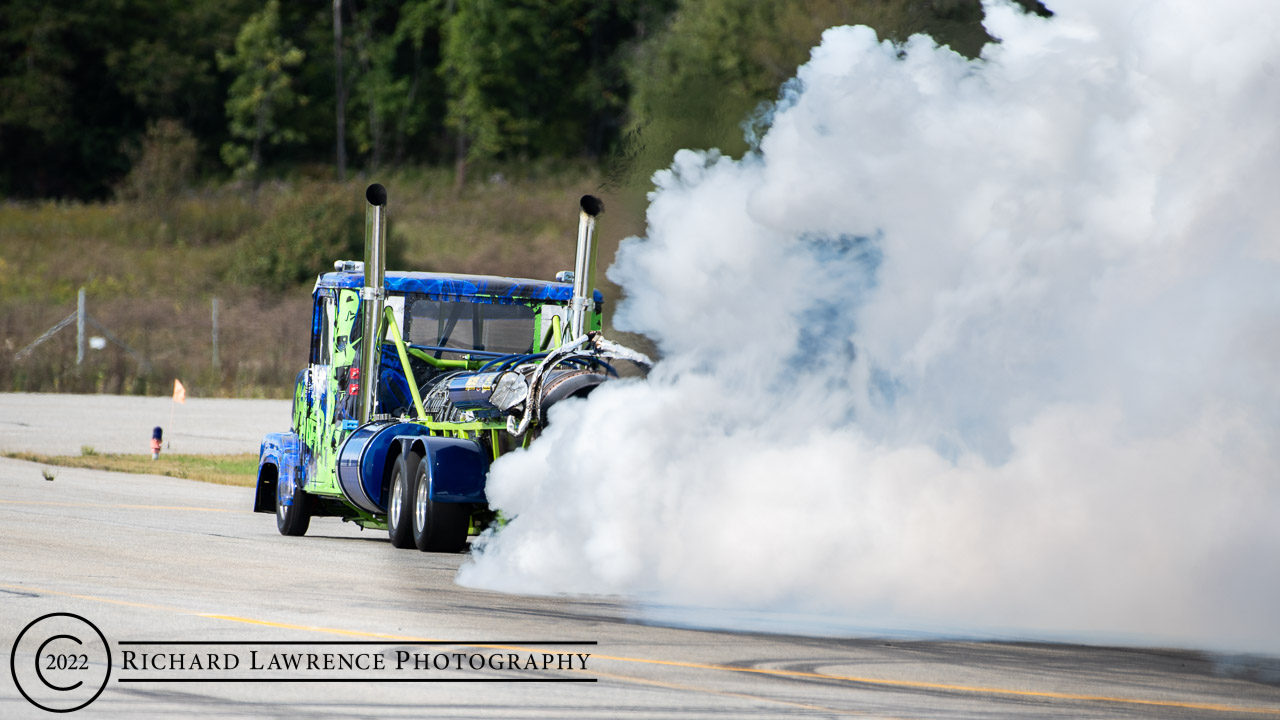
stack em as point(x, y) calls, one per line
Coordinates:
point(591, 205)
point(377, 195)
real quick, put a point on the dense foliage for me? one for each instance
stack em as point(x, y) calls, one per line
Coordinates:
point(266, 87)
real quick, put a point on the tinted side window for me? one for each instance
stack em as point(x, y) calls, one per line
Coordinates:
point(470, 326)
point(321, 327)
point(322, 337)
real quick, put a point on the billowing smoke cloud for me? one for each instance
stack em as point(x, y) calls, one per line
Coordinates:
point(968, 346)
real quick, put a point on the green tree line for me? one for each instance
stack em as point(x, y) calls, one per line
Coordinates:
point(89, 89)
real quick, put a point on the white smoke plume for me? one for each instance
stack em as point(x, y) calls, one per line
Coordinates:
point(982, 346)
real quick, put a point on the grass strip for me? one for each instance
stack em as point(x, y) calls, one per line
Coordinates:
point(240, 469)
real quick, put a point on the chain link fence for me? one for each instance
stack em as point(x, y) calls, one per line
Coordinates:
point(137, 346)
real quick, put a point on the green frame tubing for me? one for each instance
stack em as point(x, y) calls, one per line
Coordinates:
point(461, 430)
point(389, 324)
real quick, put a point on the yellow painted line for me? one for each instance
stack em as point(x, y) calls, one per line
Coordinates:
point(854, 679)
point(91, 598)
point(313, 628)
point(625, 678)
point(914, 684)
point(709, 691)
point(922, 685)
point(118, 506)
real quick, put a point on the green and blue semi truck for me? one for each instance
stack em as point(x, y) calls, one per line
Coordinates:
point(399, 432)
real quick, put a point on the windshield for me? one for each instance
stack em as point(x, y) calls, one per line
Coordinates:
point(469, 325)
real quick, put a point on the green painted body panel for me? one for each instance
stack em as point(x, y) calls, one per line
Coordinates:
point(318, 422)
point(325, 431)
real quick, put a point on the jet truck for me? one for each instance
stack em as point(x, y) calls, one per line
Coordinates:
point(417, 381)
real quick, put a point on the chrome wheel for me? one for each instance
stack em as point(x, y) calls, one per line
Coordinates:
point(397, 499)
point(437, 526)
point(421, 505)
point(400, 499)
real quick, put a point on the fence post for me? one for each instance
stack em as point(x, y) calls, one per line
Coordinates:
point(80, 327)
point(215, 333)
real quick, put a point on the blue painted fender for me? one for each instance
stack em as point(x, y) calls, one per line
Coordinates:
point(279, 468)
point(456, 468)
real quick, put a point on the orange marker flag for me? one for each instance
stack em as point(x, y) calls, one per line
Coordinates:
point(179, 392)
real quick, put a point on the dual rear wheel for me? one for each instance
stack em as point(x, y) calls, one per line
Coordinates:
point(414, 519)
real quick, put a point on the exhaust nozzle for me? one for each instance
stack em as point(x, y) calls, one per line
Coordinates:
point(584, 266)
point(372, 297)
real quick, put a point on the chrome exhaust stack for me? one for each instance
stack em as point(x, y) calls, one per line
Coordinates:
point(584, 266)
point(372, 298)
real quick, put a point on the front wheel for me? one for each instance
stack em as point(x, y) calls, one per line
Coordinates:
point(399, 504)
point(437, 526)
point(292, 514)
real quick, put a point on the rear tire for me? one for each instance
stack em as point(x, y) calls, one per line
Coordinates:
point(437, 526)
point(293, 515)
point(400, 500)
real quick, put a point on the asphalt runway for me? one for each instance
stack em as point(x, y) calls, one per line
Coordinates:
point(63, 424)
point(155, 562)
